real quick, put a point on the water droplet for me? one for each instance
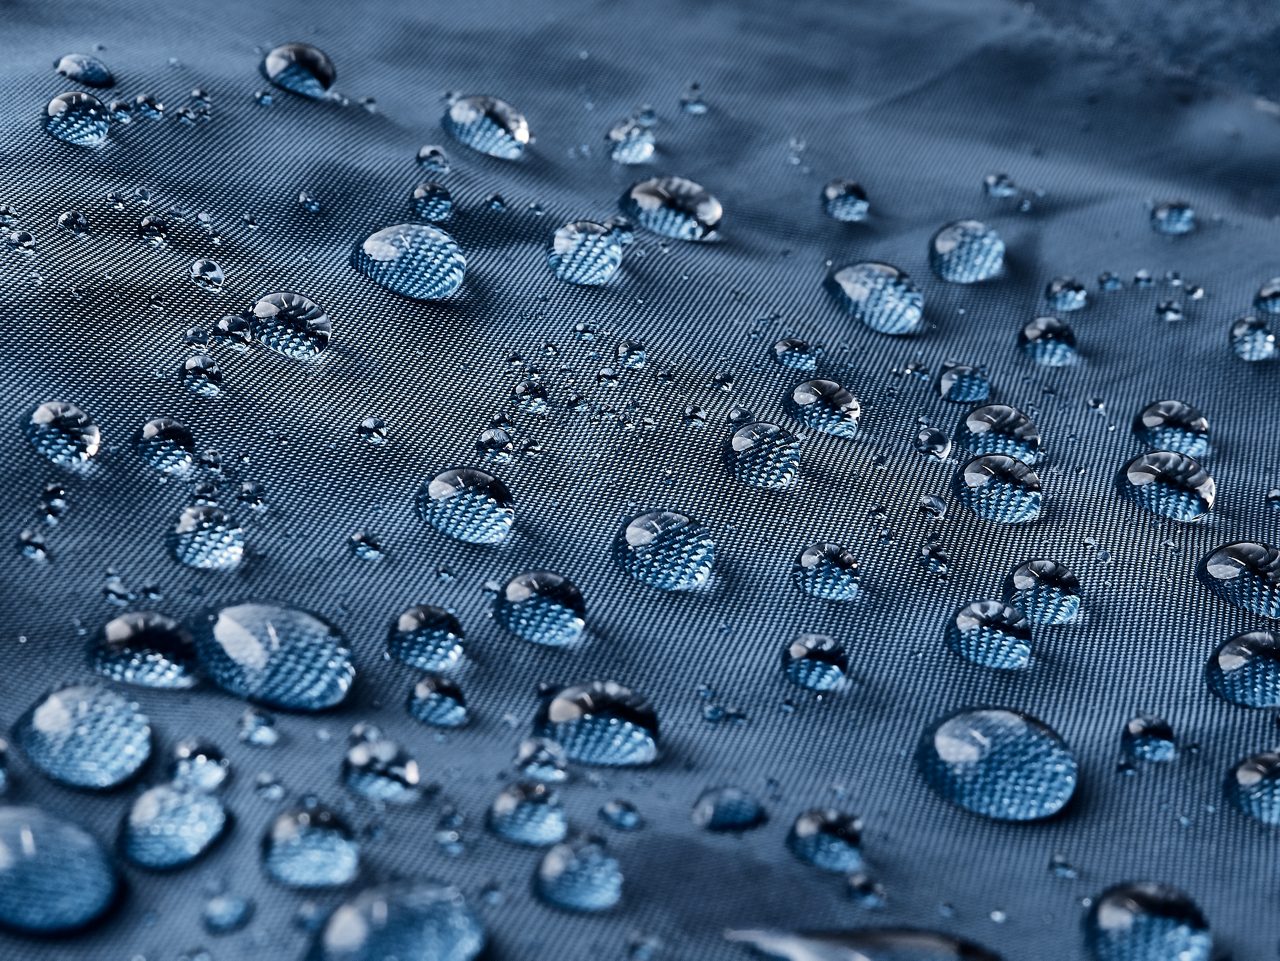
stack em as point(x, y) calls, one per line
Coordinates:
point(64, 434)
point(600, 723)
point(962, 384)
point(665, 549)
point(764, 456)
point(541, 607)
point(148, 106)
point(1173, 219)
point(692, 102)
point(437, 702)
point(227, 913)
point(828, 839)
point(845, 201)
point(1045, 591)
point(79, 119)
point(1000, 429)
point(585, 253)
point(999, 488)
point(310, 848)
point(167, 446)
point(880, 296)
point(258, 728)
point(1145, 921)
point(727, 809)
point(364, 546)
point(540, 759)
point(631, 142)
point(998, 763)
point(795, 354)
point(528, 813)
point(207, 538)
point(373, 431)
point(428, 638)
point(621, 815)
point(488, 125)
point(1252, 339)
point(169, 827)
point(1168, 483)
point(579, 875)
point(1000, 186)
point(827, 570)
point(1247, 574)
point(147, 649)
point(406, 921)
point(278, 656)
point(201, 375)
point(433, 160)
point(1049, 341)
point(85, 736)
point(300, 68)
point(991, 634)
point(1065, 294)
point(825, 406)
point(234, 331)
point(1173, 425)
point(966, 252)
point(54, 877)
point(381, 770)
point(1253, 786)
point(74, 223)
point(84, 69)
point(933, 443)
point(868, 944)
point(673, 207)
point(290, 325)
point(1148, 738)
point(817, 662)
point(467, 505)
point(309, 202)
point(432, 202)
point(207, 275)
point(1245, 670)
point(198, 766)
point(412, 260)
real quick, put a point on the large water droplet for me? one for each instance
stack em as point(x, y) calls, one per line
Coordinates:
point(291, 325)
point(1146, 921)
point(85, 736)
point(207, 538)
point(828, 839)
point(825, 406)
point(147, 649)
point(1245, 670)
point(1045, 591)
point(542, 607)
point(764, 455)
point(404, 921)
point(665, 549)
point(80, 119)
point(300, 68)
point(1168, 483)
point(585, 253)
point(963, 384)
point(63, 434)
point(426, 637)
point(827, 570)
point(991, 634)
point(489, 125)
point(966, 252)
point(1253, 786)
point(310, 848)
point(867, 944)
point(673, 207)
point(1173, 425)
point(528, 813)
point(167, 446)
point(467, 505)
point(412, 260)
point(1000, 429)
point(541, 759)
point(278, 656)
point(85, 69)
point(999, 763)
point(999, 488)
point(54, 877)
point(600, 723)
point(579, 875)
point(880, 296)
point(815, 661)
point(1247, 574)
point(169, 827)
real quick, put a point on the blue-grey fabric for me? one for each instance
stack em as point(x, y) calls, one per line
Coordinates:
point(917, 101)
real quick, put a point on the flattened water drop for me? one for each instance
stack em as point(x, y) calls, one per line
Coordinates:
point(999, 429)
point(600, 723)
point(438, 702)
point(845, 201)
point(379, 769)
point(169, 827)
point(999, 488)
point(146, 649)
point(1252, 339)
point(542, 607)
point(866, 944)
point(725, 809)
point(79, 119)
point(308, 848)
point(85, 69)
point(673, 207)
point(828, 839)
point(1247, 574)
point(1253, 786)
point(966, 252)
point(207, 538)
point(585, 253)
point(488, 125)
point(528, 813)
point(1148, 738)
point(1173, 425)
point(405, 921)
point(468, 505)
point(1050, 342)
point(880, 296)
point(432, 202)
point(1245, 670)
point(817, 662)
point(764, 456)
point(300, 68)
point(54, 876)
point(1168, 483)
point(63, 434)
point(167, 446)
point(1146, 921)
point(825, 406)
point(412, 260)
point(665, 549)
point(991, 634)
point(580, 876)
point(426, 637)
point(827, 570)
point(85, 736)
point(291, 325)
point(1045, 591)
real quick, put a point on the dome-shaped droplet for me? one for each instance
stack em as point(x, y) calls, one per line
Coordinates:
point(167, 446)
point(291, 325)
point(991, 634)
point(817, 662)
point(999, 429)
point(528, 813)
point(1253, 786)
point(207, 538)
point(764, 456)
point(999, 763)
point(85, 69)
point(381, 770)
point(1246, 573)
point(1267, 299)
point(54, 877)
point(727, 809)
point(963, 384)
point(541, 759)
point(404, 921)
point(85, 736)
point(1049, 341)
point(1245, 670)
point(198, 766)
point(825, 406)
point(1168, 483)
point(673, 207)
point(542, 607)
point(412, 260)
point(665, 549)
point(437, 702)
point(80, 119)
point(488, 125)
point(600, 723)
point(1173, 425)
point(201, 375)
point(845, 201)
point(795, 354)
point(432, 202)
point(169, 827)
point(1173, 218)
point(827, 570)
point(278, 656)
point(579, 875)
point(631, 142)
point(426, 637)
point(966, 252)
point(207, 275)
point(999, 488)
point(146, 649)
point(933, 443)
point(467, 505)
point(63, 434)
point(828, 839)
point(585, 253)
point(1045, 591)
point(1145, 921)
point(1252, 339)
point(1066, 294)
point(310, 847)
point(880, 296)
point(1148, 738)
point(300, 68)
point(867, 944)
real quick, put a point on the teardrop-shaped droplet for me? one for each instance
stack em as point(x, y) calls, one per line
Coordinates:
point(817, 662)
point(1173, 425)
point(488, 125)
point(673, 207)
point(585, 253)
point(147, 649)
point(600, 723)
point(528, 813)
point(404, 921)
point(426, 637)
point(827, 570)
point(467, 505)
point(1247, 574)
point(207, 538)
point(85, 736)
point(542, 607)
point(63, 434)
point(412, 260)
point(290, 325)
point(278, 656)
point(966, 252)
point(169, 827)
point(1168, 483)
point(828, 839)
point(79, 119)
point(1045, 591)
point(310, 847)
point(1245, 670)
point(991, 634)
point(1146, 921)
point(665, 549)
point(579, 875)
point(880, 296)
point(999, 488)
point(300, 68)
point(54, 876)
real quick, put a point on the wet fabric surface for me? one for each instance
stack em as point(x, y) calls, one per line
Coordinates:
point(916, 101)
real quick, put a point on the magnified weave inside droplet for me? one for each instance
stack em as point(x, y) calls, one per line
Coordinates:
point(85, 736)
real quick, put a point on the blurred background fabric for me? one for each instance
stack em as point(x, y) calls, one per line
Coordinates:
point(1096, 111)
